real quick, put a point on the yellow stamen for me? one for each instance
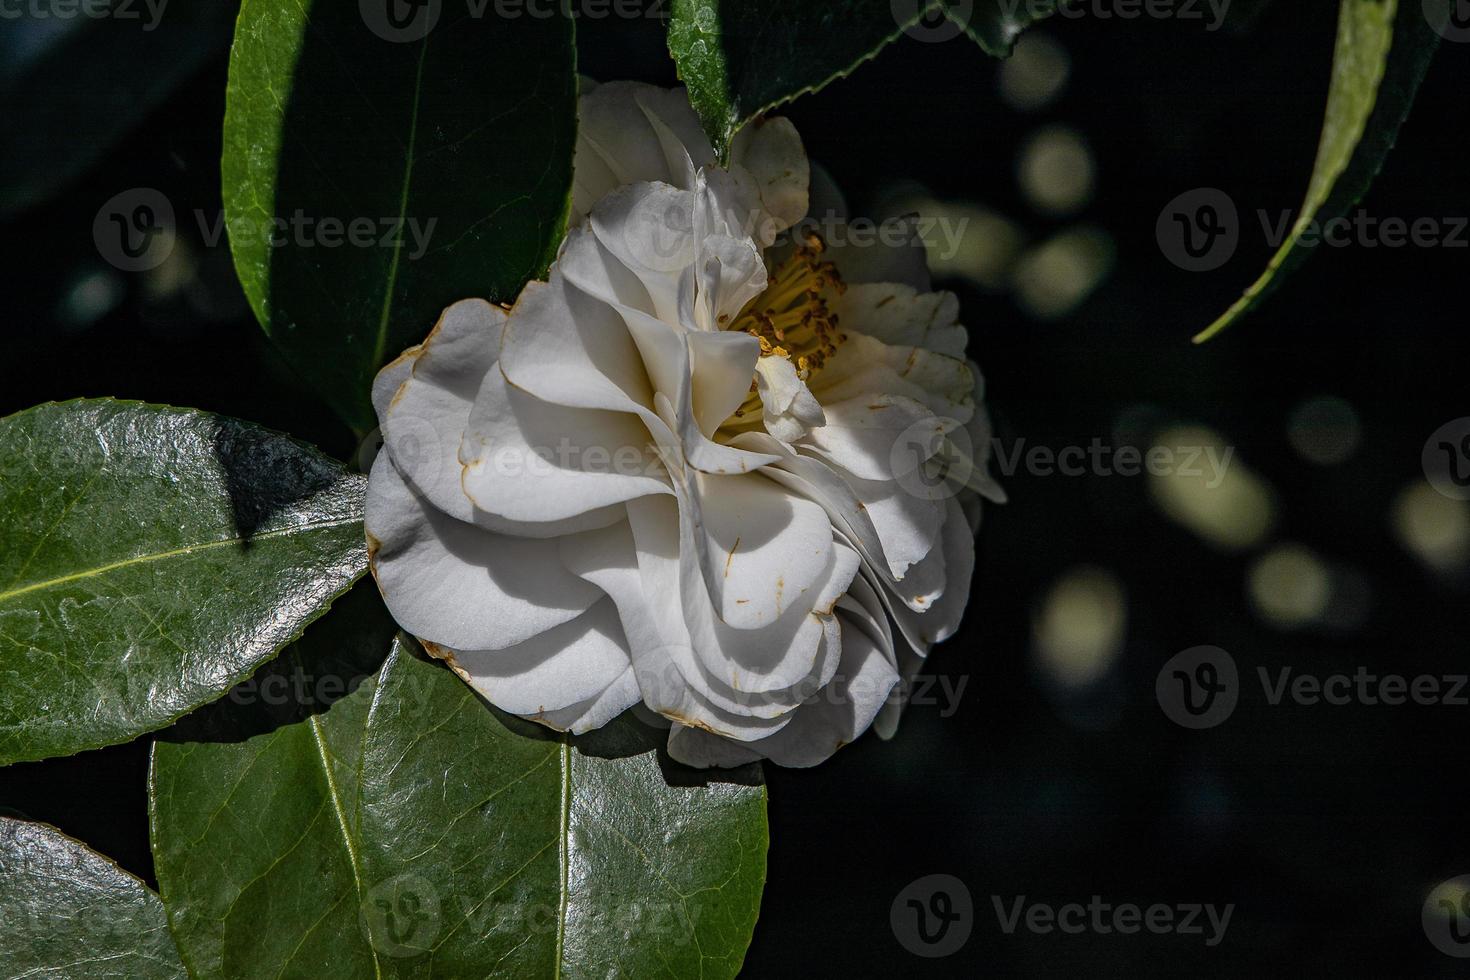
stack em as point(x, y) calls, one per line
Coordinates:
point(791, 319)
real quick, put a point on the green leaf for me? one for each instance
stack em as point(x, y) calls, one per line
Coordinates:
point(995, 25)
point(150, 558)
point(740, 58)
point(253, 804)
point(453, 146)
point(67, 912)
point(498, 848)
point(1383, 50)
point(56, 121)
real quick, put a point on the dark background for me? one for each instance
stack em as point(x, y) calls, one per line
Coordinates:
point(1325, 826)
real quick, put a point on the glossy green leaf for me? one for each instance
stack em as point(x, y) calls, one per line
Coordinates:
point(66, 913)
point(150, 558)
point(253, 804)
point(740, 58)
point(57, 120)
point(496, 848)
point(445, 138)
point(1383, 50)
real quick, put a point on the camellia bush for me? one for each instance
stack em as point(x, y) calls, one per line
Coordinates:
point(668, 477)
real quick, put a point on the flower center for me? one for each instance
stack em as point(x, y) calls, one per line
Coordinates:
point(791, 318)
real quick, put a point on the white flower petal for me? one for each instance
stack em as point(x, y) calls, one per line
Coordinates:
point(829, 720)
point(618, 697)
point(568, 348)
point(981, 438)
point(937, 619)
point(863, 365)
point(907, 523)
point(899, 314)
point(569, 665)
point(529, 460)
point(878, 437)
point(771, 151)
point(454, 584)
point(721, 365)
point(649, 228)
point(789, 410)
point(390, 379)
point(629, 132)
point(763, 548)
point(426, 419)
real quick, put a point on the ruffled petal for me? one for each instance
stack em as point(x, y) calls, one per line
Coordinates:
point(764, 549)
point(897, 313)
point(788, 408)
point(864, 366)
point(770, 150)
point(879, 437)
point(457, 585)
point(568, 666)
point(529, 460)
point(629, 132)
point(426, 419)
point(832, 718)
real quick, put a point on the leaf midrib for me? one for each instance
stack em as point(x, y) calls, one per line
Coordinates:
point(564, 832)
point(173, 553)
point(380, 347)
point(335, 794)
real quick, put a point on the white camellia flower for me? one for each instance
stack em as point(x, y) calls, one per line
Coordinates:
point(730, 479)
